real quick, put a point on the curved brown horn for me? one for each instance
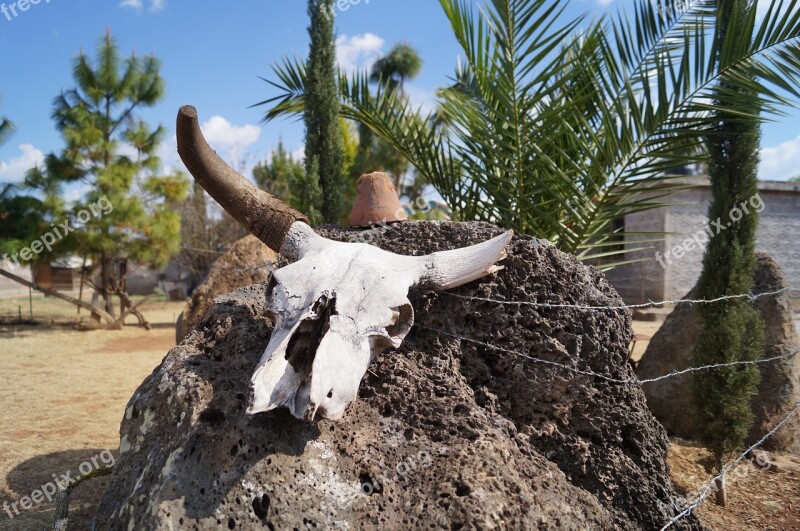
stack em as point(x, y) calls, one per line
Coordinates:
point(264, 215)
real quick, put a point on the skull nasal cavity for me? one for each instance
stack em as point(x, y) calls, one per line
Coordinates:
point(304, 343)
point(323, 306)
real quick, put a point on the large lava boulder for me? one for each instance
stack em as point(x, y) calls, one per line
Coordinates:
point(247, 262)
point(447, 433)
point(670, 349)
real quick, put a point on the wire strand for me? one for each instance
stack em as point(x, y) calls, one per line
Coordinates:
point(706, 490)
point(603, 376)
point(650, 304)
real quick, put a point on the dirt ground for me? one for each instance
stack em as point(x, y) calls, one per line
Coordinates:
point(763, 493)
point(64, 391)
point(62, 395)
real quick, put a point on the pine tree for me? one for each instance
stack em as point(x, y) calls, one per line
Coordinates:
point(96, 119)
point(732, 330)
point(320, 196)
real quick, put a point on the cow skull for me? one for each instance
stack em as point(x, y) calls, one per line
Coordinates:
point(336, 305)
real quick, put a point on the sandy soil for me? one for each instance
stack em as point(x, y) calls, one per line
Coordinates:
point(63, 393)
point(763, 494)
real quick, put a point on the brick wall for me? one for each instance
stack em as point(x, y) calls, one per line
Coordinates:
point(778, 234)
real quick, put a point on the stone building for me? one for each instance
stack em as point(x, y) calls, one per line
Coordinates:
point(668, 269)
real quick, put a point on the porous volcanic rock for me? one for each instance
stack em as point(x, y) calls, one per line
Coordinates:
point(671, 347)
point(247, 262)
point(446, 433)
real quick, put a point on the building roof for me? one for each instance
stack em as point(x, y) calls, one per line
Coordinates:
point(701, 181)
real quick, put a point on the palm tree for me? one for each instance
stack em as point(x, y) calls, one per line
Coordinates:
point(557, 128)
point(391, 72)
point(401, 64)
point(6, 128)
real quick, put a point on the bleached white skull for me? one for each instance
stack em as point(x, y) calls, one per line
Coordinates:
point(336, 305)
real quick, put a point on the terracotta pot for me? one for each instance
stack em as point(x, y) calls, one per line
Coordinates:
point(376, 202)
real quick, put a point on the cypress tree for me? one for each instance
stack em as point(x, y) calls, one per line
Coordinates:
point(320, 196)
point(731, 330)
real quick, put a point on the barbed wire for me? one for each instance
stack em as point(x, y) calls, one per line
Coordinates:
point(720, 365)
point(266, 265)
point(707, 489)
point(626, 381)
point(650, 304)
point(710, 486)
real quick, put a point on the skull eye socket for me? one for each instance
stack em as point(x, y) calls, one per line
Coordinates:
point(393, 334)
point(402, 323)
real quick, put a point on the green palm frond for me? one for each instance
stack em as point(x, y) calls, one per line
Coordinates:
point(555, 128)
point(6, 129)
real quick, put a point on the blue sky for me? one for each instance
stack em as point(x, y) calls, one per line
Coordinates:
point(212, 54)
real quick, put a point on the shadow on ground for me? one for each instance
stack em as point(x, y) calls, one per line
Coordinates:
point(34, 474)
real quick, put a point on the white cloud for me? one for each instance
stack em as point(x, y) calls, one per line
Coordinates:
point(231, 142)
point(127, 149)
point(299, 154)
point(604, 3)
point(168, 153)
point(133, 4)
point(157, 5)
point(76, 192)
point(138, 5)
point(14, 170)
point(221, 134)
point(359, 51)
point(422, 98)
point(781, 162)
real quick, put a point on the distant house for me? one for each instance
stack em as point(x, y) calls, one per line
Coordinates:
point(670, 268)
point(64, 274)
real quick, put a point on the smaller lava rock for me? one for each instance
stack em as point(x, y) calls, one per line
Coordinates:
point(671, 347)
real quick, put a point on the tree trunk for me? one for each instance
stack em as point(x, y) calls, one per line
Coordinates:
point(105, 265)
point(720, 492)
point(111, 322)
